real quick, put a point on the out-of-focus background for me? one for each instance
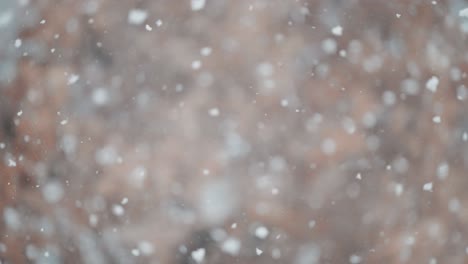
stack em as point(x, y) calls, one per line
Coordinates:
point(246, 131)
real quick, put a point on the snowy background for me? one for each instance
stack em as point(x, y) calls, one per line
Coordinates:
point(243, 131)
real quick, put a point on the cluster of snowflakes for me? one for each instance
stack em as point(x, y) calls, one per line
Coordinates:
point(214, 199)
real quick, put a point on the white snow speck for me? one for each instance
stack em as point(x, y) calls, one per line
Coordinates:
point(12, 218)
point(197, 4)
point(329, 46)
point(465, 136)
point(106, 156)
point(118, 210)
point(442, 170)
point(146, 248)
point(100, 96)
point(398, 15)
point(93, 220)
point(214, 112)
point(358, 176)
point(137, 16)
point(159, 22)
point(258, 251)
point(148, 27)
point(217, 201)
point(410, 86)
point(135, 252)
point(328, 146)
point(311, 224)
point(463, 13)
point(52, 192)
point(206, 51)
point(432, 84)
point(218, 234)
point(64, 122)
point(73, 79)
point(277, 164)
point(389, 98)
point(11, 162)
point(436, 119)
point(355, 259)
point(284, 103)
point(231, 246)
point(337, 31)
point(276, 253)
point(196, 64)
point(18, 43)
point(348, 125)
point(6, 17)
point(198, 255)
point(343, 53)
point(137, 176)
point(265, 69)
point(398, 189)
point(261, 232)
point(369, 119)
point(428, 187)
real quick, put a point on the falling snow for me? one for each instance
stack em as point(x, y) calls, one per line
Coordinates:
point(198, 255)
point(261, 232)
point(18, 43)
point(337, 31)
point(463, 13)
point(73, 79)
point(208, 131)
point(137, 16)
point(432, 84)
point(258, 251)
point(214, 112)
point(428, 187)
point(118, 210)
point(231, 246)
point(197, 4)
